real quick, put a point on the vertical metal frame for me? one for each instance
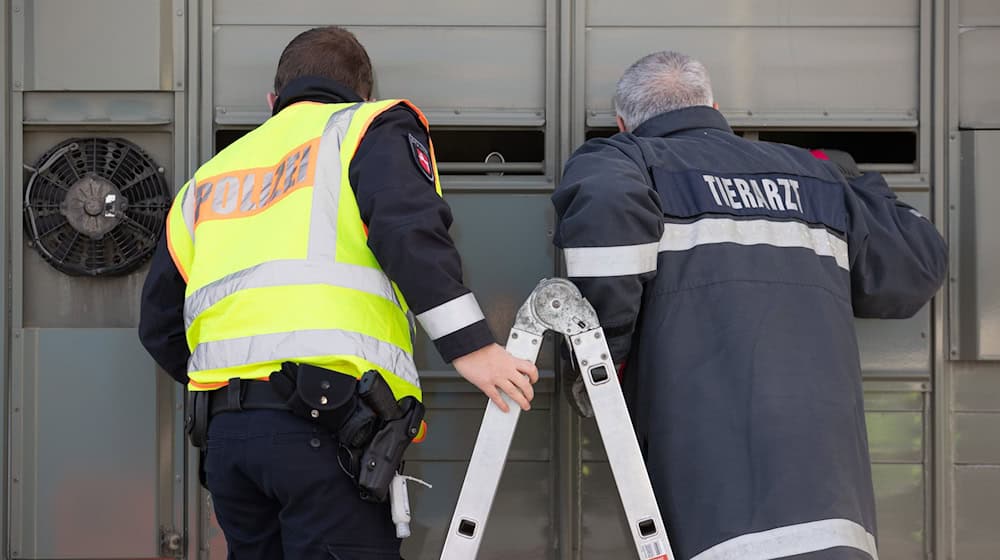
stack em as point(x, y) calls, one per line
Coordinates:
point(15, 517)
point(925, 35)
point(946, 206)
point(4, 252)
point(199, 148)
point(170, 401)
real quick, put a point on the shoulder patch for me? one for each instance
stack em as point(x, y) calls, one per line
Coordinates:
point(421, 157)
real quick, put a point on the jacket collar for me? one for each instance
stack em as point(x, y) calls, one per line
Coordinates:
point(687, 118)
point(312, 88)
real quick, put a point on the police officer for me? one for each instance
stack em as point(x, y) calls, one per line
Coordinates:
point(299, 255)
point(727, 274)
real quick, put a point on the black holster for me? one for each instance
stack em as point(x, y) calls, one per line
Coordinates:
point(196, 418)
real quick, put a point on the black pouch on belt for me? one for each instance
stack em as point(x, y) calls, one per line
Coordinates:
point(321, 395)
point(196, 419)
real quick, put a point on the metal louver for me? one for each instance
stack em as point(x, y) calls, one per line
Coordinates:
point(95, 206)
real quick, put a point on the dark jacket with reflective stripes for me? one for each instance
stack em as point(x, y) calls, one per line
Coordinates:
point(727, 274)
point(407, 231)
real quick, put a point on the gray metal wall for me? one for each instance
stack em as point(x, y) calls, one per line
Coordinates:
point(92, 473)
point(95, 463)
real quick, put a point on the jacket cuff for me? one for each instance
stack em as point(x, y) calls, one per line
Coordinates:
point(464, 341)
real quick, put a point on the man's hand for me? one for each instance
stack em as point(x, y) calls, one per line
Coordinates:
point(493, 369)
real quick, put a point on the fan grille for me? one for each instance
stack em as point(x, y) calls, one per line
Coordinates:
point(72, 221)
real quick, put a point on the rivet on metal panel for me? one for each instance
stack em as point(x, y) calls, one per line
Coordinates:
point(952, 137)
point(953, 280)
point(17, 409)
point(952, 207)
point(556, 304)
point(16, 480)
point(924, 386)
point(604, 356)
point(180, 84)
point(577, 341)
point(534, 341)
point(222, 110)
point(17, 83)
point(826, 113)
point(17, 9)
point(583, 362)
point(513, 335)
point(457, 112)
point(597, 334)
point(180, 13)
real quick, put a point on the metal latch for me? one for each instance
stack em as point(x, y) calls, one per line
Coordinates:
point(171, 543)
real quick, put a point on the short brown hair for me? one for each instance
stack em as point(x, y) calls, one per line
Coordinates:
point(326, 52)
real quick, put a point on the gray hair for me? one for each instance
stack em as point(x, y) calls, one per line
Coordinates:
point(661, 82)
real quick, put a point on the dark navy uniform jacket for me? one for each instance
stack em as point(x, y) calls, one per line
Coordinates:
point(727, 274)
point(407, 232)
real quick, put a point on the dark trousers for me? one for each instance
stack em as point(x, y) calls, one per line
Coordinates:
point(280, 493)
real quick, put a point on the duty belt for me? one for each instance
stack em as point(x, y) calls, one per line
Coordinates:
point(243, 394)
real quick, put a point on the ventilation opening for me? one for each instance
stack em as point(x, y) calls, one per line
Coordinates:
point(227, 136)
point(465, 151)
point(875, 147)
point(483, 151)
point(886, 150)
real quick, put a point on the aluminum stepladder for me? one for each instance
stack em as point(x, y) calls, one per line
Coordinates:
point(557, 305)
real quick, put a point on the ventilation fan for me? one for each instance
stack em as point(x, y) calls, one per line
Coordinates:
point(95, 206)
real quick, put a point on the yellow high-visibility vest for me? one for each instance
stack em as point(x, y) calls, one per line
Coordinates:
point(270, 240)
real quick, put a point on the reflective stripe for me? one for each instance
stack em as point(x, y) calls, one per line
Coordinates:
point(275, 347)
point(187, 208)
point(794, 539)
point(288, 273)
point(326, 187)
point(708, 231)
point(610, 261)
point(451, 316)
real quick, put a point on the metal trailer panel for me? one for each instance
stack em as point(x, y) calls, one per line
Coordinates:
point(978, 12)
point(116, 35)
point(898, 347)
point(501, 264)
point(979, 307)
point(381, 12)
point(95, 467)
point(759, 13)
point(457, 75)
point(979, 77)
point(89, 473)
point(788, 74)
point(977, 493)
point(976, 459)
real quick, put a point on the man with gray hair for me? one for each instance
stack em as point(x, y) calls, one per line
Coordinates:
point(726, 274)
